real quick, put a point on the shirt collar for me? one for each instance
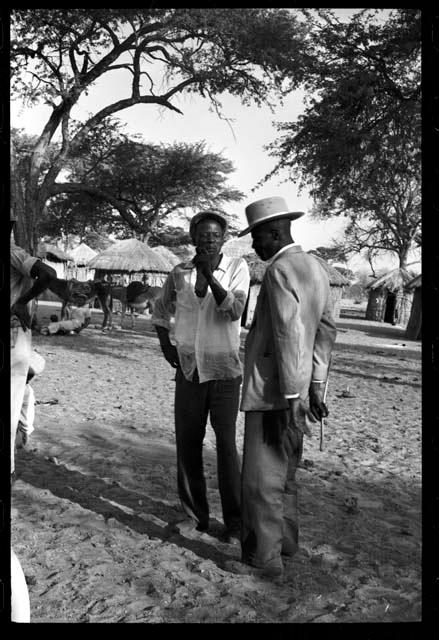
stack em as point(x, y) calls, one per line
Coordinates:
point(278, 253)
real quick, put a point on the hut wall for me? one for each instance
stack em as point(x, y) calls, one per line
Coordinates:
point(80, 273)
point(414, 325)
point(376, 305)
point(336, 294)
point(404, 301)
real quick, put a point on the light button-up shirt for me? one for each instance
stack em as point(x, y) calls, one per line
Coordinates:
point(207, 335)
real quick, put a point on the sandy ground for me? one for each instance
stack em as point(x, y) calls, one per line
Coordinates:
point(95, 498)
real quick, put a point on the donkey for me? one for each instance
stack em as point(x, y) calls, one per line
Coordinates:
point(142, 297)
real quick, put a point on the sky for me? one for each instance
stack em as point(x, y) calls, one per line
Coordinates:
point(242, 141)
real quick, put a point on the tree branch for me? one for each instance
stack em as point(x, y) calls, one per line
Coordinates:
point(78, 187)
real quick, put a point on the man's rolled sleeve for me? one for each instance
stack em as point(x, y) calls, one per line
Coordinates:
point(233, 304)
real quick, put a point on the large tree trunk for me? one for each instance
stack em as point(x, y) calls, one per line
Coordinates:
point(403, 257)
point(24, 207)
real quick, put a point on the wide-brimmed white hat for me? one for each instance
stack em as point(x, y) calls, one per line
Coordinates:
point(268, 209)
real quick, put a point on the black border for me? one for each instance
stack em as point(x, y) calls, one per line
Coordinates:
point(430, 351)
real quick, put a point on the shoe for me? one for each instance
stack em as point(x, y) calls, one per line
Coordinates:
point(243, 569)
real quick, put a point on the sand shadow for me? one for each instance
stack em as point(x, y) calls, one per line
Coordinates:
point(94, 342)
point(114, 501)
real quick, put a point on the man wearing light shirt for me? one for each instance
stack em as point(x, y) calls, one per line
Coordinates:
point(207, 297)
point(286, 361)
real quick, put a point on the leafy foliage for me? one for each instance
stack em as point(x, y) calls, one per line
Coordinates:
point(59, 55)
point(149, 182)
point(357, 145)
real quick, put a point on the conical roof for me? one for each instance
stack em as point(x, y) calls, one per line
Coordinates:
point(130, 255)
point(393, 280)
point(336, 279)
point(167, 254)
point(83, 254)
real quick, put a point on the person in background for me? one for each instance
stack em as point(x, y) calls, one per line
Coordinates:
point(80, 318)
point(29, 277)
point(207, 296)
point(287, 354)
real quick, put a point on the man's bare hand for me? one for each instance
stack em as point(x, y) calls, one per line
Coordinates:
point(203, 262)
point(21, 439)
point(171, 354)
point(299, 412)
point(22, 313)
point(317, 406)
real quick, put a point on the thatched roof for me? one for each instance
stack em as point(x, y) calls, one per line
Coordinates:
point(52, 253)
point(336, 279)
point(130, 256)
point(168, 255)
point(257, 269)
point(395, 280)
point(83, 254)
point(238, 247)
point(415, 283)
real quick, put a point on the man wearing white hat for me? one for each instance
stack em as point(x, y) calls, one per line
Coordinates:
point(287, 354)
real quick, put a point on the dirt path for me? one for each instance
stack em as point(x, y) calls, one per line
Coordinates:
point(96, 492)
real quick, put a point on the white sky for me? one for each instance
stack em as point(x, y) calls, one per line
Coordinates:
point(252, 129)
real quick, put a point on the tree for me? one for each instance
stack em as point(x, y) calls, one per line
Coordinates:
point(59, 55)
point(357, 145)
point(153, 182)
point(335, 253)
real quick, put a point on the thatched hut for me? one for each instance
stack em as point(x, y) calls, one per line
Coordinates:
point(414, 325)
point(337, 282)
point(389, 300)
point(168, 255)
point(55, 258)
point(58, 260)
point(134, 259)
point(82, 254)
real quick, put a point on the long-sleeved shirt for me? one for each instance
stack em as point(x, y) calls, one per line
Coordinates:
point(207, 335)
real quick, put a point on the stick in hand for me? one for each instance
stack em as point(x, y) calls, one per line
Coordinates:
point(322, 421)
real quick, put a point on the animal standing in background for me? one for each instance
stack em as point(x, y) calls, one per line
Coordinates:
point(135, 297)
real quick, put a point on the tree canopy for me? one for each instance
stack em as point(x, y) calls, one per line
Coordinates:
point(357, 144)
point(152, 182)
point(59, 55)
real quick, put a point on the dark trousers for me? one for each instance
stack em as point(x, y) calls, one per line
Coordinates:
point(269, 497)
point(194, 401)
